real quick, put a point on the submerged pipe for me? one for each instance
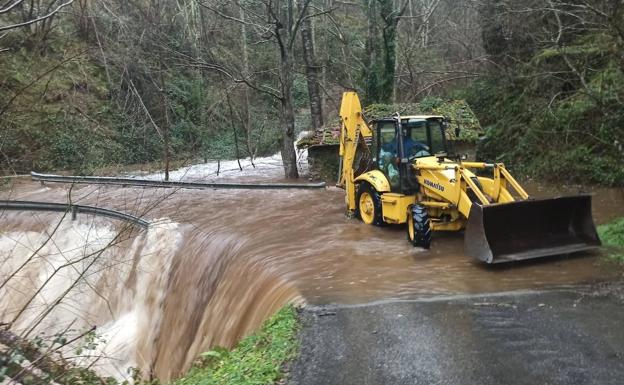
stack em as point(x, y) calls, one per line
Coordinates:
point(168, 184)
point(74, 209)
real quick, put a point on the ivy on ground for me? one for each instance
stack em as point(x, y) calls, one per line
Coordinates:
point(257, 359)
point(612, 236)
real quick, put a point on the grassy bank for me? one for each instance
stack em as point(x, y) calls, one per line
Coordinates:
point(257, 359)
point(612, 236)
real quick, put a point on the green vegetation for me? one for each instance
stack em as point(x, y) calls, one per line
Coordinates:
point(67, 120)
point(62, 108)
point(553, 107)
point(44, 123)
point(612, 236)
point(257, 359)
point(458, 112)
point(36, 361)
point(550, 135)
point(90, 89)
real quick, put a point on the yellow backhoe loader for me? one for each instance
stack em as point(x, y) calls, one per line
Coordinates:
point(398, 171)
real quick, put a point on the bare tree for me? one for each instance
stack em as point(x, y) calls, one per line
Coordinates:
point(48, 11)
point(439, 48)
point(279, 22)
point(312, 69)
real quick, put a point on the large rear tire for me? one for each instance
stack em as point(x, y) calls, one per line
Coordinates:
point(419, 227)
point(369, 205)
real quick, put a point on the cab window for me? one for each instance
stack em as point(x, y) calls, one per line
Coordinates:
point(437, 137)
point(388, 152)
point(387, 137)
point(415, 143)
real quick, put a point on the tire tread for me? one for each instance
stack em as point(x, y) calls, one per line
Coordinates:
point(422, 227)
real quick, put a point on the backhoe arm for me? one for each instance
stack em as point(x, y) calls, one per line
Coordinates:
point(353, 126)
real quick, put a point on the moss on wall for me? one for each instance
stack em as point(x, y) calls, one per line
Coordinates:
point(323, 162)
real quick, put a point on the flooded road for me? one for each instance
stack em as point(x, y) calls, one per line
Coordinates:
point(218, 262)
point(564, 337)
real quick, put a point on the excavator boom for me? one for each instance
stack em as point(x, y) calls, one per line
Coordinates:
point(353, 127)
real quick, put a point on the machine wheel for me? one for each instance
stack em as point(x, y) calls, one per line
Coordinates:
point(418, 227)
point(369, 205)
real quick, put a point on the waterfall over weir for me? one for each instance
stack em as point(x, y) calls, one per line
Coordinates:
point(158, 300)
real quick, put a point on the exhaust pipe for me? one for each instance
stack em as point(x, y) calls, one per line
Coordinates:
point(530, 229)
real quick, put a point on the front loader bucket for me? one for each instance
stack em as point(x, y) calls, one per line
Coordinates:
point(530, 229)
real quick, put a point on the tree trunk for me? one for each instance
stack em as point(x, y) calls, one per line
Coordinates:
point(314, 92)
point(327, 57)
point(233, 124)
point(390, 17)
point(284, 33)
point(289, 157)
point(380, 57)
point(246, 113)
point(165, 120)
point(371, 67)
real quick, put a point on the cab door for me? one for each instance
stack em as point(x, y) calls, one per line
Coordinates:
point(387, 154)
point(408, 184)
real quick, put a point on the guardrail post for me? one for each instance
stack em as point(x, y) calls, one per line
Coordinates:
point(74, 212)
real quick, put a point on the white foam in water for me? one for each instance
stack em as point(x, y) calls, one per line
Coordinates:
point(125, 285)
point(54, 268)
point(120, 288)
point(270, 167)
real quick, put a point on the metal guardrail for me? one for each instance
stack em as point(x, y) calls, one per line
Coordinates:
point(74, 209)
point(169, 184)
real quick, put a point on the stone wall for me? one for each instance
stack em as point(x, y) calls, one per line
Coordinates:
point(323, 160)
point(464, 147)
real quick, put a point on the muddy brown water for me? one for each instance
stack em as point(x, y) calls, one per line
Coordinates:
point(219, 262)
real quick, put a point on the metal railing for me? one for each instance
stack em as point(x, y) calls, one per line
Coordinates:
point(73, 209)
point(169, 184)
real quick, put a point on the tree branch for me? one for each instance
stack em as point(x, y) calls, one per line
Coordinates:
point(10, 7)
point(33, 21)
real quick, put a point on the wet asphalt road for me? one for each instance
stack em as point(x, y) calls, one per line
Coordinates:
point(572, 336)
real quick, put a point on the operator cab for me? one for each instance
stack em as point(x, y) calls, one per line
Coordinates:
point(397, 144)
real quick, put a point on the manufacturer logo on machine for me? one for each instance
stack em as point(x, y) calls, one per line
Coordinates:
point(436, 186)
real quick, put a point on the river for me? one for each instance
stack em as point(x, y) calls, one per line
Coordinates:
point(216, 263)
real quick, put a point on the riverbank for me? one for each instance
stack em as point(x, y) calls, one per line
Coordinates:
point(258, 359)
point(612, 236)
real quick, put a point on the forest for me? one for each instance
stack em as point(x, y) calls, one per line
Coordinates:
point(85, 84)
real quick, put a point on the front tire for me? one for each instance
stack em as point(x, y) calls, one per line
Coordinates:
point(419, 227)
point(369, 205)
